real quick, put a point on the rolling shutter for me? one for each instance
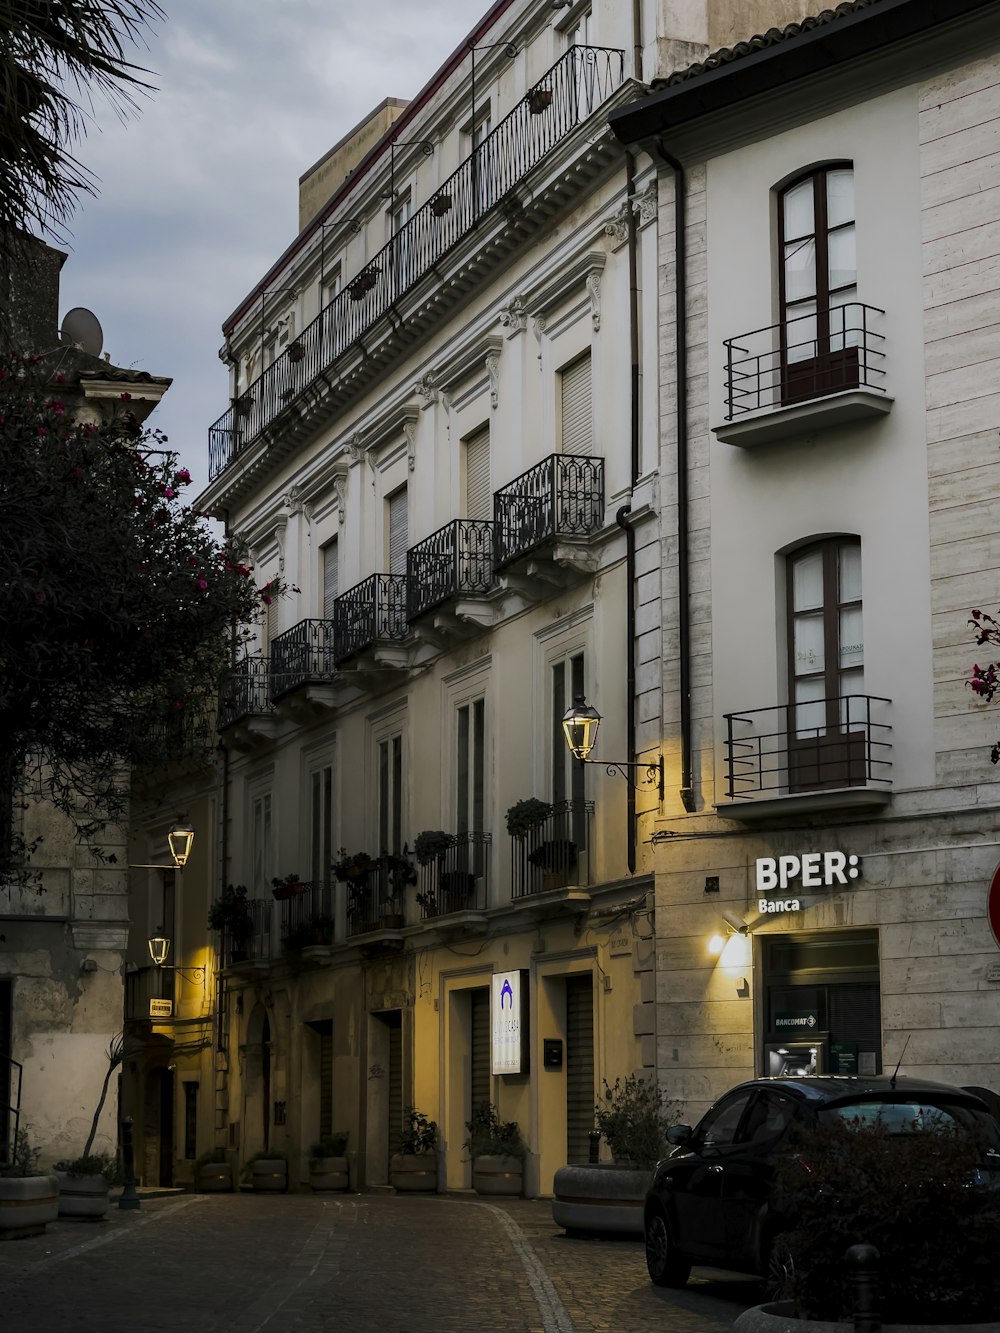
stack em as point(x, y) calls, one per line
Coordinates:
point(331, 578)
point(579, 1067)
point(397, 532)
point(478, 499)
point(577, 409)
point(324, 1030)
point(480, 1054)
point(394, 1022)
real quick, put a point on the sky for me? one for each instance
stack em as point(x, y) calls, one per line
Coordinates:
point(198, 192)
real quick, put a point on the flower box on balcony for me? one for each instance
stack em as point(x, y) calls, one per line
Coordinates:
point(539, 100)
point(440, 205)
point(362, 285)
point(296, 352)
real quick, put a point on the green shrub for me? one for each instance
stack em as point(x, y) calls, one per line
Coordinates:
point(915, 1197)
point(330, 1145)
point(23, 1160)
point(420, 1134)
point(634, 1119)
point(93, 1164)
point(489, 1136)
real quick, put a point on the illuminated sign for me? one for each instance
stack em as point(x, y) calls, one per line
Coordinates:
point(508, 1015)
point(161, 1008)
point(810, 870)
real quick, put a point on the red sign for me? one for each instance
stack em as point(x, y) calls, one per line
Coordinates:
point(993, 905)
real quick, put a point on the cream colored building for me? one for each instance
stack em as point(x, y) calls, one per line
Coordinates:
point(838, 445)
point(443, 432)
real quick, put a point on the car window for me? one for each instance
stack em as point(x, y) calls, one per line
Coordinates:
point(769, 1117)
point(912, 1117)
point(720, 1124)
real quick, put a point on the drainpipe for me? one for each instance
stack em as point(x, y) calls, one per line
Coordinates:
point(686, 792)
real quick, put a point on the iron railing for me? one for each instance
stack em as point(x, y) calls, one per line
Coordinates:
point(455, 561)
point(794, 361)
point(187, 734)
point(372, 611)
point(457, 879)
point(797, 748)
point(11, 1072)
point(251, 941)
point(375, 901)
point(566, 95)
point(245, 692)
point(309, 917)
point(553, 854)
point(304, 653)
point(562, 496)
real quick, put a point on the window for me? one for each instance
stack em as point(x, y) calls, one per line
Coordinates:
point(478, 496)
point(402, 247)
point(398, 531)
point(827, 742)
point(576, 407)
point(720, 1125)
point(567, 772)
point(331, 577)
point(480, 131)
point(390, 796)
point(471, 767)
point(818, 288)
point(260, 835)
point(321, 823)
point(330, 286)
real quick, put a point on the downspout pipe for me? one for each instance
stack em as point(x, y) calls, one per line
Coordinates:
point(686, 792)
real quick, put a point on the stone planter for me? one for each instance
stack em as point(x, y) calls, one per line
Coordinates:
point(269, 1175)
point(413, 1172)
point(777, 1317)
point(604, 1197)
point(497, 1174)
point(328, 1173)
point(83, 1197)
point(27, 1204)
point(215, 1178)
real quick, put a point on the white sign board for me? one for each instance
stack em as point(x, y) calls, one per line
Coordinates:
point(808, 870)
point(161, 1008)
point(508, 1026)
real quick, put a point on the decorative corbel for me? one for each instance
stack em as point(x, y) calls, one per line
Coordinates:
point(426, 391)
point(593, 285)
point(340, 490)
point(493, 371)
point(292, 500)
point(410, 432)
point(280, 533)
point(355, 449)
point(645, 204)
point(514, 317)
point(538, 326)
point(617, 227)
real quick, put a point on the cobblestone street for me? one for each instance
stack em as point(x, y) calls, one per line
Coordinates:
point(281, 1264)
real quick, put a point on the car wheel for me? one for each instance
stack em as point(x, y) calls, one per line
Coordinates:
point(779, 1271)
point(667, 1268)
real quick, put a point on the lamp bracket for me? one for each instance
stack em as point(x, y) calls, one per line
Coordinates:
point(197, 973)
point(654, 771)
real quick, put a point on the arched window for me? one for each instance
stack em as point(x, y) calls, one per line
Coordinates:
point(827, 723)
point(818, 291)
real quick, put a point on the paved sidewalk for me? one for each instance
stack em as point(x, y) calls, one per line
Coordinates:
point(303, 1263)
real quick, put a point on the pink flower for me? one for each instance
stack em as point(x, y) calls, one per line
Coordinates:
point(58, 409)
point(203, 584)
point(42, 430)
point(178, 706)
point(60, 378)
point(169, 492)
point(183, 477)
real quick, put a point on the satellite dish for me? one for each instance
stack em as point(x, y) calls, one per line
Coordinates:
point(81, 328)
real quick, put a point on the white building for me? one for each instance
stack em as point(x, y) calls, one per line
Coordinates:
point(839, 449)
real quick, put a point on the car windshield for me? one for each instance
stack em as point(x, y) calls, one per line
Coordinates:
point(916, 1117)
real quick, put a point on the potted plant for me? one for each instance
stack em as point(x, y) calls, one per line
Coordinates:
point(349, 869)
point(29, 1200)
point(456, 889)
point(539, 100)
point(289, 886)
point(556, 858)
point(415, 1166)
point(441, 204)
point(267, 1172)
point(230, 914)
point(317, 932)
point(296, 352)
point(399, 872)
point(633, 1119)
point(213, 1172)
point(431, 845)
point(244, 405)
point(84, 1181)
point(918, 1198)
point(428, 903)
point(497, 1150)
point(362, 284)
point(328, 1165)
point(525, 817)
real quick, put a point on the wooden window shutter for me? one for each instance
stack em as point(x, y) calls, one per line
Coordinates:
point(398, 532)
point(577, 408)
point(331, 578)
point(271, 624)
point(478, 497)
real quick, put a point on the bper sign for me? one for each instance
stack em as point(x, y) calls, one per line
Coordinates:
point(812, 870)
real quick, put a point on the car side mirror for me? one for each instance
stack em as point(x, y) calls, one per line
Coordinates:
point(678, 1134)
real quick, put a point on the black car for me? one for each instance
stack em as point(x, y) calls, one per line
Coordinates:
point(709, 1202)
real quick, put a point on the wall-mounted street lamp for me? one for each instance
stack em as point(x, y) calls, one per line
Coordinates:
point(580, 724)
point(180, 840)
point(159, 948)
point(510, 51)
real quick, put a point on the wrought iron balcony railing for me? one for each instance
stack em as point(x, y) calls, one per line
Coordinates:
point(457, 880)
point(455, 561)
point(250, 940)
point(245, 692)
point(823, 743)
point(565, 96)
point(562, 496)
point(373, 611)
point(806, 357)
point(304, 653)
point(550, 855)
point(309, 917)
point(374, 900)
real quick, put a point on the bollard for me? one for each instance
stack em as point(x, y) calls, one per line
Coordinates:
point(862, 1262)
point(594, 1156)
point(129, 1197)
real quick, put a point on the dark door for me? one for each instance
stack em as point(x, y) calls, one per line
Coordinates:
point(9, 1077)
point(579, 1067)
point(394, 1022)
point(479, 1000)
point(166, 1156)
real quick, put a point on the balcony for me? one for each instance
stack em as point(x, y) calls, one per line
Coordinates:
point(374, 901)
point(559, 500)
point(303, 655)
point(553, 854)
point(453, 563)
point(245, 692)
point(372, 615)
point(308, 918)
point(457, 879)
point(563, 98)
point(252, 942)
point(793, 379)
point(825, 754)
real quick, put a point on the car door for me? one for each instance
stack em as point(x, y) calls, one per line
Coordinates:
point(749, 1173)
point(696, 1180)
